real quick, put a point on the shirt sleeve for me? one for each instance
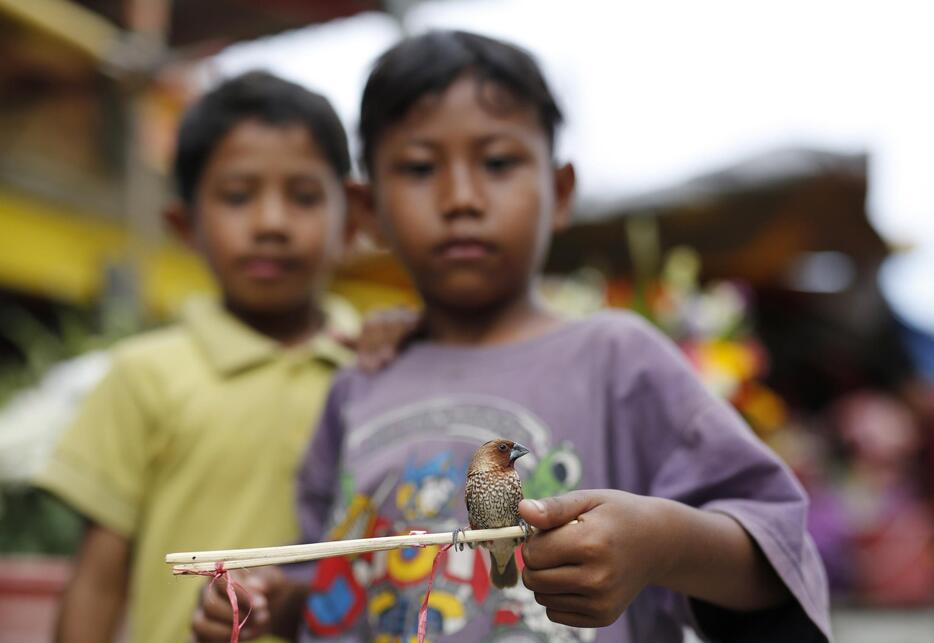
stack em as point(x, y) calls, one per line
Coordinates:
point(318, 476)
point(98, 465)
point(698, 451)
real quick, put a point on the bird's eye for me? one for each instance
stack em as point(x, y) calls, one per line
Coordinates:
point(503, 448)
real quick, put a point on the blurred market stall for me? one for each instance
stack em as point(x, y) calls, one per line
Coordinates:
point(726, 194)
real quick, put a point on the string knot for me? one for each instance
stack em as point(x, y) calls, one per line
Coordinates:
point(218, 572)
point(418, 532)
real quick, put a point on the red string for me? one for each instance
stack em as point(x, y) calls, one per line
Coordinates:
point(220, 572)
point(423, 610)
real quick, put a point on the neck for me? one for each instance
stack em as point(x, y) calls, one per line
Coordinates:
point(517, 319)
point(476, 470)
point(288, 328)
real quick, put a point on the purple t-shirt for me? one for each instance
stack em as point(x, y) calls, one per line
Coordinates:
point(603, 403)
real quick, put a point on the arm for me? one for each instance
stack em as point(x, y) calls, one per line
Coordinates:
point(719, 520)
point(97, 468)
point(277, 598)
point(711, 557)
point(92, 606)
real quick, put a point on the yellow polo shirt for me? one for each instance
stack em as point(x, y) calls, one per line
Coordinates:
point(191, 442)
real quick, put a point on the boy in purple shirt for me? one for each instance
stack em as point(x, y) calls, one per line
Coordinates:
point(683, 518)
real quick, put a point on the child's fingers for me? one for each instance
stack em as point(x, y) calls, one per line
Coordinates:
point(370, 336)
point(556, 548)
point(382, 334)
point(219, 611)
point(346, 341)
point(258, 618)
point(577, 610)
point(207, 630)
point(570, 603)
point(216, 603)
point(572, 619)
point(373, 348)
point(549, 513)
point(252, 630)
point(217, 607)
point(557, 580)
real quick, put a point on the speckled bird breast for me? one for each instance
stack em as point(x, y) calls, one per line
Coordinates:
point(493, 499)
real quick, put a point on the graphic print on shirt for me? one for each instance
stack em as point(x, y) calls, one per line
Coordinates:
point(377, 596)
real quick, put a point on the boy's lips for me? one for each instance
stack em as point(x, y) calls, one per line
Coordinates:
point(465, 249)
point(267, 268)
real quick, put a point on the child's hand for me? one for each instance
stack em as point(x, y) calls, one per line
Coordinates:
point(213, 619)
point(383, 333)
point(586, 574)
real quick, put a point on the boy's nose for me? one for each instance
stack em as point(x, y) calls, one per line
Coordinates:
point(271, 217)
point(462, 194)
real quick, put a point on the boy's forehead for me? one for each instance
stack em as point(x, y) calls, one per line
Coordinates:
point(256, 140)
point(469, 107)
point(254, 134)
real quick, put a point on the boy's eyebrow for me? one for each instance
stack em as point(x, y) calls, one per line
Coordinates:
point(304, 175)
point(236, 175)
point(240, 174)
point(423, 142)
point(493, 138)
point(483, 140)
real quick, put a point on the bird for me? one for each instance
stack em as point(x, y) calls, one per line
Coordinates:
point(492, 494)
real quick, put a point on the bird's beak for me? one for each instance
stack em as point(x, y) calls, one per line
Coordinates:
point(517, 452)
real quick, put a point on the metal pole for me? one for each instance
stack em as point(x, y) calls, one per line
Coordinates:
point(136, 64)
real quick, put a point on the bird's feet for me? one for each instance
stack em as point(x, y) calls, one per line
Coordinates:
point(458, 540)
point(526, 530)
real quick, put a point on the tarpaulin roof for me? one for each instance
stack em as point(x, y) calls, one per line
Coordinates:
point(752, 220)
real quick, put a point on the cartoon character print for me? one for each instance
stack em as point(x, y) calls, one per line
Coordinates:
point(559, 471)
point(427, 490)
point(376, 597)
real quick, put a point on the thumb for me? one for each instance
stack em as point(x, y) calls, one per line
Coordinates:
point(548, 513)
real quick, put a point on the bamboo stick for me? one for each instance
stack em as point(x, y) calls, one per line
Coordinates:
point(256, 557)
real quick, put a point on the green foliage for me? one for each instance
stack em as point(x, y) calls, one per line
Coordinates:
point(34, 522)
point(42, 346)
point(31, 521)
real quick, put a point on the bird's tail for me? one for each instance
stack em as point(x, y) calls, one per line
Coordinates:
point(506, 578)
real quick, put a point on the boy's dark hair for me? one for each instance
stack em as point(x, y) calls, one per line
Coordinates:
point(254, 95)
point(430, 63)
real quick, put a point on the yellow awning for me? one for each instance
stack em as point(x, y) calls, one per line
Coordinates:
point(68, 22)
point(55, 252)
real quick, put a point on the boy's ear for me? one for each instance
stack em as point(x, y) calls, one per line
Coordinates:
point(361, 213)
point(180, 220)
point(565, 182)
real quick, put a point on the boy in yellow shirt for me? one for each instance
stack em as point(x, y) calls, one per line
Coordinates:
point(193, 438)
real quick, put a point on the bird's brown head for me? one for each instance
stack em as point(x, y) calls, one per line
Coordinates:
point(496, 455)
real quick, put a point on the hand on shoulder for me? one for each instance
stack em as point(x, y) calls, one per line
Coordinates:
point(383, 334)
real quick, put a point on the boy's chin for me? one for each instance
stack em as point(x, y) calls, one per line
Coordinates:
point(269, 303)
point(469, 300)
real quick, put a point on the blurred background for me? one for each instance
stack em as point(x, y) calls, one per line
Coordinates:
point(756, 180)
